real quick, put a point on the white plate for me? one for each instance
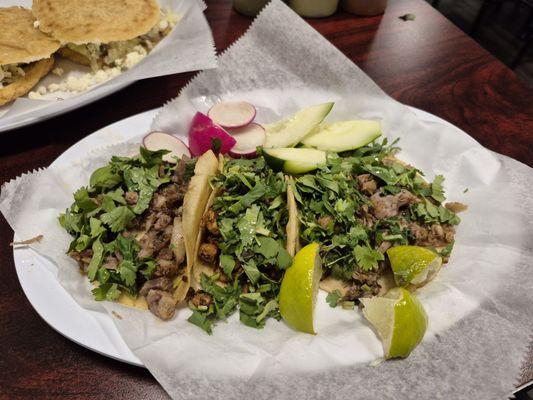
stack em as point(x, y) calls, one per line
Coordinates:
point(38, 276)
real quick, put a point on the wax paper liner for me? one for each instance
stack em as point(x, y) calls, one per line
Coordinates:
point(479, 309)
point(189, 47)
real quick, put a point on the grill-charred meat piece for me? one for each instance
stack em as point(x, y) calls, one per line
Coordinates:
point(161, 304)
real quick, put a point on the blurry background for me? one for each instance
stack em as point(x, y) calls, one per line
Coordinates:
point(503, 27)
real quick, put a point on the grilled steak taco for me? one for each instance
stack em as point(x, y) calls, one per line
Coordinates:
point(25, 53)
point(246, 242)
point(135, 227)
point(363, 203)
point(104, 33)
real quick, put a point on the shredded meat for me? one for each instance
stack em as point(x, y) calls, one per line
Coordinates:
point(161, 303)
point(456, 207)
point(166, 268)
point(166, 197)
point(210, 220)
point(131, 197)
point(436, 235)
point(165, 254)
point(163, 220)
point(389, 206)
point(365, 217)
point(162, 283)
point(201, 298)
point(179, 172)
point(324, 221)
point(367, 184)
point(83, 258)
point(110, 262)
point(208, 252)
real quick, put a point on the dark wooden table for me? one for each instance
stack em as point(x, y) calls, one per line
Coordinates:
point(427, 63)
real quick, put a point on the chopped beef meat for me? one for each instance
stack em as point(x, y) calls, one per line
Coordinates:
point(166, 268)
point(163, 220)
point(166, 198)
point(210, 220)
point(324, 221)
point(389, 206)
point(83, 258)
point(456, 207)
point(110, 262)
point(367, 184)
point(208, 252)
point(161, 303)
point(436, 235)
point(179, 172)
point(201, 298)
point(365, 217)
point(162, 283)
point(165, 254)
point(131, 198)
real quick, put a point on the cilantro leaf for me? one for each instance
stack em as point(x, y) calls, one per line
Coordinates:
point(201, 320)
point(284, 259)
point(108, 291)
point(127, 271)
point(118, 219)
point(367, 258)
point(437, 191)
point(227, 263)
point(250, 268)
point(105, 178)
point(333, 298)
point(96, 260)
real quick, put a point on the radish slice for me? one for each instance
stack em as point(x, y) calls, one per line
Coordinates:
point(248, 139)
point(204, 135)
point(232, 114)
point(163, 141)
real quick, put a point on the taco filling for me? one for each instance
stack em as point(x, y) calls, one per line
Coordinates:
point(122, 54)
point(242, 253)
point(128, 229)
point(362, 203)
point(10, 73)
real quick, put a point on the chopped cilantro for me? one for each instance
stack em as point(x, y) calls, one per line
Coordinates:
point(333, 298)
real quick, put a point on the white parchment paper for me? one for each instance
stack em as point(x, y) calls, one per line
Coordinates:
point(479, 307)
point(188, 47)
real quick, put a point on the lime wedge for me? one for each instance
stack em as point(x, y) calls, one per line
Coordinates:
point(413, 265)
point(299, 288)
point(399, 319)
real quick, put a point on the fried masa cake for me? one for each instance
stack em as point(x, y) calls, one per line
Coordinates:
point(104, 33)
point(25, 53)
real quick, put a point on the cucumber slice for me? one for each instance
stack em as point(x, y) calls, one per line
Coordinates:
point(343, 135)
point(294, 161)
point(290, 131)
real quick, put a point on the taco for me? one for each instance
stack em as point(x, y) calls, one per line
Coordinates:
point(247, 239)
point(102, 33)
point(362, 203)
point(135, 227)
point(25, 53)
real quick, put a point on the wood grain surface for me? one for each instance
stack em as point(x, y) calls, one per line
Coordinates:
point(427, 63)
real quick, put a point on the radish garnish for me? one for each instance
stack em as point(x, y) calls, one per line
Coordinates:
point(163, 141)
point(232, 114)
point(204, 135)
point(248, 139)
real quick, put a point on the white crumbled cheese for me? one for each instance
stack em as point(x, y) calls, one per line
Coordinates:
point(58, 71)
point(35, 95)
point(42, 90)
point(9, 73)
point(36, 24)
point(134, 57)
